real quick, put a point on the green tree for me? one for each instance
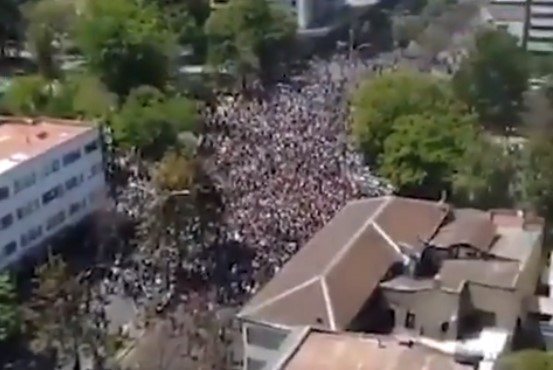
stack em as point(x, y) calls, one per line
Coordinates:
point(483, 175)
point(537, 178)
point(9, 312)
point(26, 95)
point(249, 36)
point(52, 311)
point(127, 43)
point(80, 96)
point(49, 24)
point(528, 360)
point(151, 122)
point(420, 154)
point(379, 102)
point(493, 79)
point(76, 96)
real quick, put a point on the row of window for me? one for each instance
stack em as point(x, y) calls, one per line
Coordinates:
point(52, 222)
point(30, 179)
point(32, 206)
point(28, 208)
point(31, 235)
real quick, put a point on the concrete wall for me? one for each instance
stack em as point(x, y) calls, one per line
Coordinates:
point(431, 308)
point(506, 304)
point(264, 344)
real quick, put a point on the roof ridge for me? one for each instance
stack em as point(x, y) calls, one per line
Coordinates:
point(370, 221)
point(284, 294)
point(328, 304)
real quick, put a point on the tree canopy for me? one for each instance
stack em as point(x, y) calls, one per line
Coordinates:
point(151, 122)
point(413, 130)
point(127, 44)
point(528, 360)
point(49, 24)
point(493, 79)
point(248, 36)
point(9, 312)
point(76, 96)
point(537, 177)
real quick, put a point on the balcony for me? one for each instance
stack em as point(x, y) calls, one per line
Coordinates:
point(541, 10)
point(542, 47)
point(543, 35)
point(541, 22)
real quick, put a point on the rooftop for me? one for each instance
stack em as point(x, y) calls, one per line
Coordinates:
point(23, 138)
point(363, 239)
point(356, 352)
point(358, 247)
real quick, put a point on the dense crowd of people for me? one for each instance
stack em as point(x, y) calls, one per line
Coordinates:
point(285, 162)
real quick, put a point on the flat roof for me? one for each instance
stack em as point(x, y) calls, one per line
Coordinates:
point(24, 138)
point(347, 351)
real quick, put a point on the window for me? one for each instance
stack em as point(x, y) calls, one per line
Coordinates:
point(24, 182)
point(10, 248)
point(27, 209)
point(264, 337)
point(73, 182)
point(55, 220)
point(95, 169)
point(254, 364)
point(6, 221)
point(31, 235)
point(91, 147)
point(76, 207)
point(52, 194)
point(52, 167)
point(71, 157)
point(410, 320)
point(95, 196)
point(4, 192)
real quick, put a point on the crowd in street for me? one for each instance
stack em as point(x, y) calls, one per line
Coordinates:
point(284, 166)
point(285, 161)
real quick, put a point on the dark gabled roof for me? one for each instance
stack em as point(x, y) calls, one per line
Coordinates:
point(467, 226)
point(327, 282)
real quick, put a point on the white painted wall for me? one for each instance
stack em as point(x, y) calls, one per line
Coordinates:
point(89, 186)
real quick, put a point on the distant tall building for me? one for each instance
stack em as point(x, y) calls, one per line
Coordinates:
point(51, 177)
point(530, 21)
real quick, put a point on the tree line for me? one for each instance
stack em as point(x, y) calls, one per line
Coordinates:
point(467, 136)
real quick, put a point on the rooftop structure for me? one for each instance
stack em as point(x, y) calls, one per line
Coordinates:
point(401, 265)
point(362, 240)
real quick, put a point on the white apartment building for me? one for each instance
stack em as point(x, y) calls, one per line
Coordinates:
point(51, 177)
point(530, 21)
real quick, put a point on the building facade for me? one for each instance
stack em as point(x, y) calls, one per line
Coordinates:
point(51, 177)
point(530, 21)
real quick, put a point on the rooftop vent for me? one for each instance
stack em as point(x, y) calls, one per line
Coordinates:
point(42, 135)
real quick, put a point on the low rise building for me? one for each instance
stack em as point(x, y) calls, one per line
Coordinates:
point(324, 350)
point(401, 265)
point(51, 177)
